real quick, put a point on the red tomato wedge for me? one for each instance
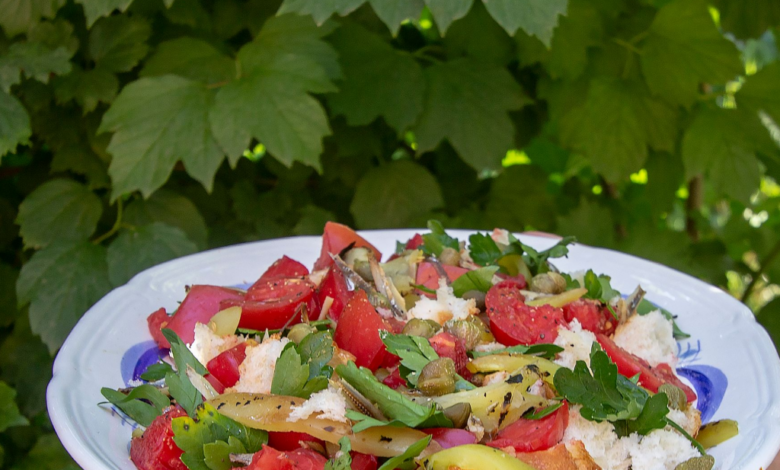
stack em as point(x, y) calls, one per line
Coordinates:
point(358, 331)
point(155, 449)
point(284, 267)
point(394, 380)
point(218, 387)
point(225, 366)
point(307, 459)
point(335, 238)
point(592, 315)
point(286, 441)
point(649, 377)
point(269, 458)
point(531, 435)
point(157, 321)
point(448, 437)
point(334, 285)
point(513, 322)
point(428, 276)
point(363, 461)
point(201, 303)
point(448, 345)
point(274, 303)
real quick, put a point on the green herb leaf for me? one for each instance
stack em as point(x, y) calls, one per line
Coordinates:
point(544, 412)
point(178, 383)
point(301, 370)
point(479, 279)
point(537, 261)
point(142, 404)
point(290, 374)
point(534, 18)
point(483, 250)
point(9, 412)
point(415, 353)
point(406, 460)
point(170, 208)
point(546, 351)
point(437, 240)
point(344, 460)
point(156, 371)
point(14, 124)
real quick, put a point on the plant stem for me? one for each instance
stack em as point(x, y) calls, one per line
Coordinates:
point(115, 228)
point(682, 431)
point(693, 204)
point(768, 259)
point(628, 45)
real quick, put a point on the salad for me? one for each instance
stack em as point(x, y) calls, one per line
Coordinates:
point(450, 354)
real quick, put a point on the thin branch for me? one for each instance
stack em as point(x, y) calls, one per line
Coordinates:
point(765, 263)
point(692, 205)
point(115, 228)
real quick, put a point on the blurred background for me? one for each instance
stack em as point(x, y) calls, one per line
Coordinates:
point(136, 131)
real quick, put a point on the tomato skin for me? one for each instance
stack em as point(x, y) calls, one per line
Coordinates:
point(363, 461)
point(155, 449)
point(274, 303)
point(334, 285)
point(448, 437)
point(448, 345)
point(650, 378)
point(269, 458)
point(218, 386)
point(394, 380)
point(592, 315)
point(225, 366)
point(358, 331)
point(513, 322)
point(288, 441)
point(156, 322)
point(519, 279)
point(428, 276)
point(307, 459)
point(526, 435)
point(335, 238)
point(201, 303)
point(284, 267)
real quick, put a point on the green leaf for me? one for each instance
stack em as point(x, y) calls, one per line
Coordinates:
point(9, 412)
point(270, 101)
point(320, 10)
point(313, 220)
point(483, 250)
point(14, 124)
point(48, 454)
point(394, 195)
point(547, 411)
point(394, 12)
point(316, 350)
point(446, 11)
point(546, 351)
point(477, 35)
point(19, 15)
point(54, 34)
point(182, 356)
point(34, 60)
point(537, 261)
point(379, 80)
point(479, 279)
point(415, 353)
point(179, 384)
point(190, 58)
point(653, 416)
point(534, 17)
point(518, 197)
point(717, 145)
point(761, 92)
point(182, 390)
point(407, 458)
point(769, 318)
point(748, 19)
point(156, 122)
point(170, 208)
point(343, 460)
point(81, 160)
point(467, 103)
point(94, 9)
point(60, 209)
point(683, 49)
point(87, 88)
point(143, 404)
point(21, 352)
point(216, 455)
point(290, 374)
point(437, 240)
point(635, 121)
point(591, 223)
point(138, 249)
point(156, 371)
point(8, 277)
point(60, 282)
point(118, 43)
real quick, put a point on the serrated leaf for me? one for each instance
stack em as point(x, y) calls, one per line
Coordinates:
point(634, 119)
point(591, 223)
point(190, 58)
point(467, 103)
point(534, 17)
point(394, 194)
point(379, 80)
point(478, 35)
point(83, 161)
point(94, 9)
point(761, 92)
point(394, 12)
point(171, 208)
point(444, 12)
point(19, 15)
point(20, 353)
point(60, 209)
point(748, 19)
point(156, 122)
point(136, 250)
point(14, 123)
point(312, 221)
point(54, 34)
point(118, 43)
point(34, 60)
point(47, 453)
point(87, 87)
point(518, 197)
point(190, 13)
point(270, 101)
point(684, 49)
point(60, 282)
point(320, 10)
point(9, 412)
point(8, 311)
point(717, 146)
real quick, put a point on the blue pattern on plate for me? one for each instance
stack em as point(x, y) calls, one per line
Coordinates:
point(138, 358)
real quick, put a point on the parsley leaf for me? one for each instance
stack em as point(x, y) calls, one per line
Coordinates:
point(479, 279)
point(437, 240)
point(406, 460)
point(142, 404)
point(543, 350)
point(415, 353)
point(342, 460)
point(179, 385)
point(483, 250)
point(301, 370)
point(156, 371)
point(537, 261)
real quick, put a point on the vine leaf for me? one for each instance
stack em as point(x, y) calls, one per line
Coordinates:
point(87, 87)
point(477, 35)
point(136, 250)
point(748, 19)
point(683, 49)
point(60, 209)
point(60, 282)
point(156, 122)
point(534, 17)
point(394, 12)
point(118, 43)
point(379, 80)
point(54, 34)
point(34, 60)
point(171, 208)
point(9, 412)
point(320, 10)
point(19, 15)
point(14, 123)
point(80, 159)
point(94, 9)
point(190, 58)
point(761, 92)
point(395, 195)
point(8, 276)
point(518, 198)
point(467, 103)
point(446, 11)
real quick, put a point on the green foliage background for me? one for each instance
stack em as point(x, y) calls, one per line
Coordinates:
point(136, 131)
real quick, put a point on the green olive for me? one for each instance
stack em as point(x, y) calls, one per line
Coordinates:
point(434, 324)
point(712, 434)
point(548, 283)
point(459, 414)
point(468, 332)
point(485, 336)
point(437, 377)
point(300, 331)
point(449, 256)
point(677, 398)
point(704, 462)
point(417, 327)
point(363, 268)
point(410, 300)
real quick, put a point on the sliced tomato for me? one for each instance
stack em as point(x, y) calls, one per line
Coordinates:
point(531, 435)
point(155, 449)
point(415, 242)
point(363, 461)
point(307, 459)
point(269, 458)
point(650, 377)
point(201, 303)
point(519, 279)
point(334, 285)
point(394, 380)
point(335, 238)
point(592, 315)
point(449, 437)
point(513, 322)
point(284, 267)
point(225, 366)
point(156, 322)
point(358, 331)
point(448, 345)
point(218, 386)
point(286, 441)
point(428, 276)
point(275, 303)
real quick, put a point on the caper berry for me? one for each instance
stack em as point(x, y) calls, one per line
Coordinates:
point(485, 336)
point(704, 462)
point(449, 256)
point(466, 331)
point(548, 283)
point(437, 377)
point(458, 414)
point(417, 327)
point(677, 398)
point(300, 331)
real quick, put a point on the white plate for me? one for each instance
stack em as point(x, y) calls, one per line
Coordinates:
point(729, 356)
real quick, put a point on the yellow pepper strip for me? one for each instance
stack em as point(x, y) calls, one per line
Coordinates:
point(473, 457)
point(712, 434)
point(558, 300)
point(511, 363)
